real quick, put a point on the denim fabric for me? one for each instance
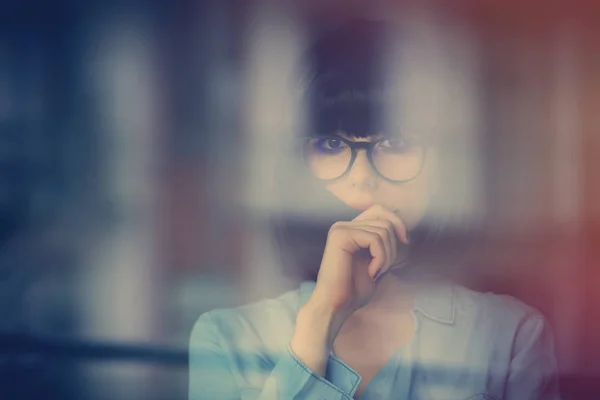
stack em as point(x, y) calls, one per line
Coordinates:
point(467, 345)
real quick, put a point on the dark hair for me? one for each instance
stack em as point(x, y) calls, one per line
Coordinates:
point(343, 71)
point(344, 79)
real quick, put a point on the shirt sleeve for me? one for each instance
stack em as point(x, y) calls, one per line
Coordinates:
point(533, 370)
point(212, 378)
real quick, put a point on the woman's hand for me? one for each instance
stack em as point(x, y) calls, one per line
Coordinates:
point(356, 254)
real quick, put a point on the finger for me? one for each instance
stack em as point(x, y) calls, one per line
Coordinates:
point(366, 239)
point(388, 239)
point(379, 212)
point(397, 254)
point(386, 230)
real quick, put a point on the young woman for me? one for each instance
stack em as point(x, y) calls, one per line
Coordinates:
point(370, 325)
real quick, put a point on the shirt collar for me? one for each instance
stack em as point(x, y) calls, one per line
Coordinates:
point(434, 299)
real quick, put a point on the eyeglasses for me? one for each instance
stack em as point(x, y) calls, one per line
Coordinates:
point(395, 159)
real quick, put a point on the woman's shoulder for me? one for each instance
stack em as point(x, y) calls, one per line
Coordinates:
point(286, 303)
point(267, 322)
point(449, 302)
point(493, 307)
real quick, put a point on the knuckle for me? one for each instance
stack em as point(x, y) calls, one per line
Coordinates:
point(334, 230)
point(389, 225)
point(380, 241)
point(379, 207)
point(372, 235)
point(337, 231)
point(384, 232)
point(336, 226)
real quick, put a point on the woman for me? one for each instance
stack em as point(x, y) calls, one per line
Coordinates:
point(371, 325)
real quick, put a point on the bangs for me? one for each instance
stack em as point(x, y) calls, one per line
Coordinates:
point(357, 113)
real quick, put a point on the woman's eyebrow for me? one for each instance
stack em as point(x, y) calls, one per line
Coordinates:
point(350, 136)
point(337, 134)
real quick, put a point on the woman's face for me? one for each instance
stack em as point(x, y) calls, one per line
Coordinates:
point(362, 187)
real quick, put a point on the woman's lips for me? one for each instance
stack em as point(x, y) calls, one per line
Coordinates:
point(360, 206)
point(366, 205)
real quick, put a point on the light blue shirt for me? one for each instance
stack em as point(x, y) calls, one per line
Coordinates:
point(467, 345)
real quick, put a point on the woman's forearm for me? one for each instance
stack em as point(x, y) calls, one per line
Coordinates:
point(316, 328)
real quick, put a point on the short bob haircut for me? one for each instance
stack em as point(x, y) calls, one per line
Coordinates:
point(344, 90)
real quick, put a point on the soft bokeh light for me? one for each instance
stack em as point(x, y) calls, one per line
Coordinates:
point(140, 146)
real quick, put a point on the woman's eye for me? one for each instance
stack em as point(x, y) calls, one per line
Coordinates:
point(330, 144)
point(396, 144)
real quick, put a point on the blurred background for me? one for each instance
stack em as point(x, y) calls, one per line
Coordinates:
point(136, 150)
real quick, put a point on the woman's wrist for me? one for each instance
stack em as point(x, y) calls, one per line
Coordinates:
point(316, 327)
point(320, 319)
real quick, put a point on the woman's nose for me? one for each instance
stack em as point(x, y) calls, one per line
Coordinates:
point(361, 173)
